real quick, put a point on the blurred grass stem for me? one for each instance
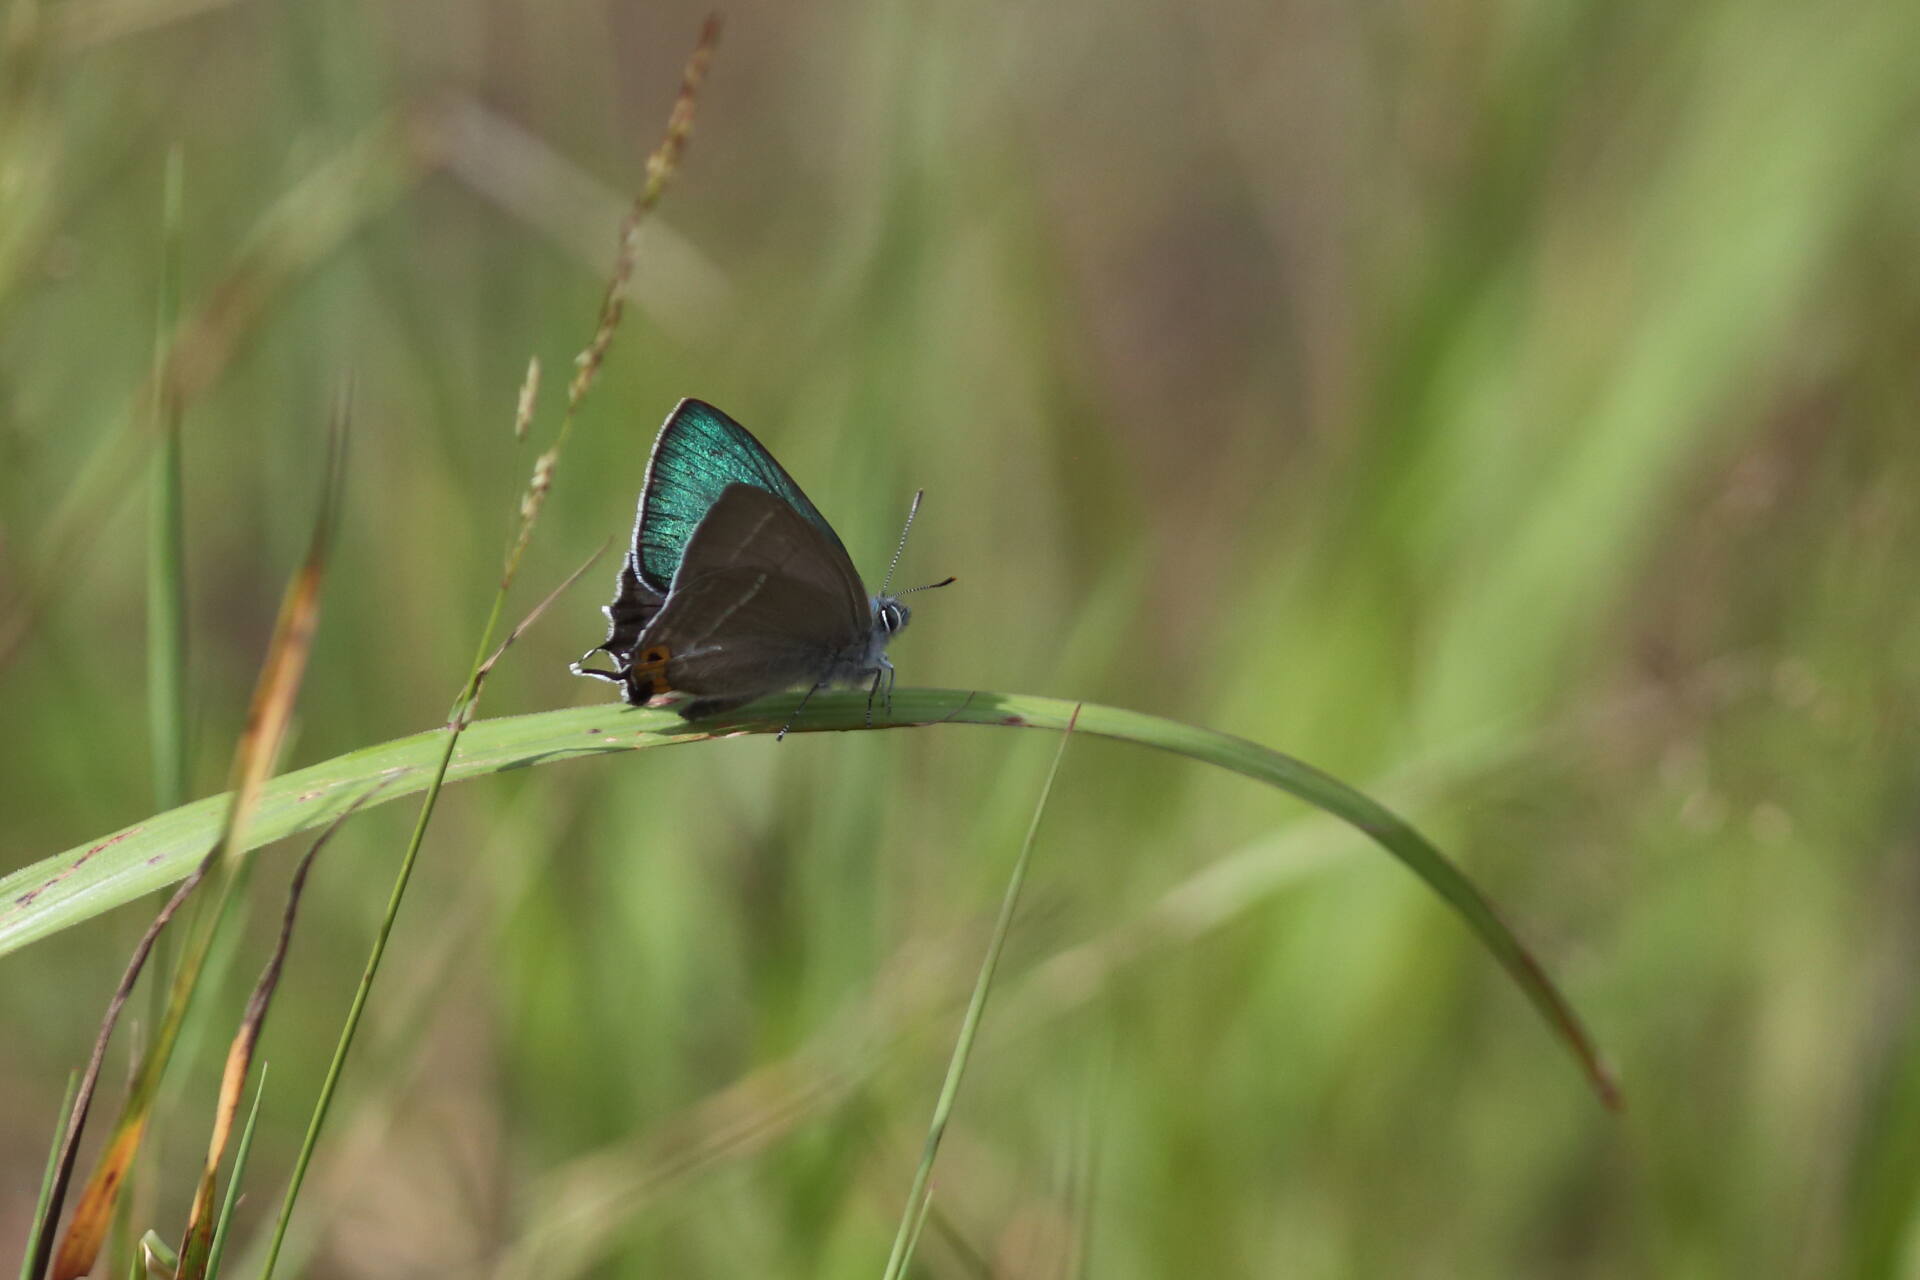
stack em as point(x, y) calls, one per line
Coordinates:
point(920, 1195)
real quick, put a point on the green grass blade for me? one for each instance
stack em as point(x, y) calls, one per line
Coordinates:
point(61, 891)
point(166, 536)
point(919, 1225)
point(40, 1224)
point(157, 1256)
point(234, 1176)
point(920, 1195)
point(166, 627)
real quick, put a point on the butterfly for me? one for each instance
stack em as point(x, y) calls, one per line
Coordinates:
point(735, 586)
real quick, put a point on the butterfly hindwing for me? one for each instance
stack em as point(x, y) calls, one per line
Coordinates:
point(761, 601)
point(634, 605)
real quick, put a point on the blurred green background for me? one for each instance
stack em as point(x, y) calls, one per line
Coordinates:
point(1510, 408)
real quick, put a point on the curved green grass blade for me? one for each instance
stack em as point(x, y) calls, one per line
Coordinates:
point(63, 890)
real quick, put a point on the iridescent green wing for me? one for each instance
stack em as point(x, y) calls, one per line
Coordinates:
point(699, 453)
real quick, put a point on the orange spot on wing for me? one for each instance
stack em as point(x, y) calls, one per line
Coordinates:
point(650, 672)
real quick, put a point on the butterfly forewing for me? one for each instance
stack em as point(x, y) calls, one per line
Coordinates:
point(699, 453)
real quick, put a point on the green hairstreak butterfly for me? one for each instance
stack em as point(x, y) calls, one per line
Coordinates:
point(735, 585)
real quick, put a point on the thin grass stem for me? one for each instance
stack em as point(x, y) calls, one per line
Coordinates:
point(166, 532)
point(167, 730)
point(920, 1196)
point(232, 1201)
point(40, 1223)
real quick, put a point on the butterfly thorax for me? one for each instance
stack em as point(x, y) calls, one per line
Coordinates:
point(865, 661)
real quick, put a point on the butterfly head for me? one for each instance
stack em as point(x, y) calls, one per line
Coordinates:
point(889, 615)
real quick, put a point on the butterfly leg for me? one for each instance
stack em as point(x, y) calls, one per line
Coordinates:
point(873, 690)
point(782, 735)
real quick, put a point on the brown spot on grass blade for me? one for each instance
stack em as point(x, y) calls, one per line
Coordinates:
point(26, 899)
point(197, 1244)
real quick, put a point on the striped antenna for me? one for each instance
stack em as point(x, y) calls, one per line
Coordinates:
point(905, 529)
